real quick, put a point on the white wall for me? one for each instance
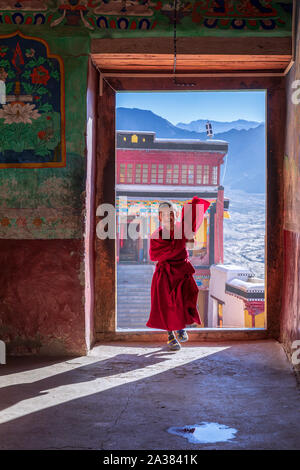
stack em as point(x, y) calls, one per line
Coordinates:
point(233, 307)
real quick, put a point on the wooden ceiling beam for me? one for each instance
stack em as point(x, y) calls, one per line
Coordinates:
point(208, 54)
point(125, 62)
point(194, 45)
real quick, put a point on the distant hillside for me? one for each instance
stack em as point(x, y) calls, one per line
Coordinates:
point(134, 119)
point(246, 157)
point(218, 126)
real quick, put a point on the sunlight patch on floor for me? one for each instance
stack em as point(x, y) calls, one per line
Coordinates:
point(88, 383)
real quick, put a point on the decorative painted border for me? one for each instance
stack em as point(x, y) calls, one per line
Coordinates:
point(214, 15)
point(124, 23)
point(101, 22)
point(62, 163)
point(40, 223)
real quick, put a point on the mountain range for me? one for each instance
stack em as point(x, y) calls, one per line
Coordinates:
point(245, 166)
point(199, 125)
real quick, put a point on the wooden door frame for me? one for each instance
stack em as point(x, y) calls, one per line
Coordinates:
point(105, 260)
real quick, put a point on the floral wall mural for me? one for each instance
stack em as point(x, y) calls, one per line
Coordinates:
point(32, 117)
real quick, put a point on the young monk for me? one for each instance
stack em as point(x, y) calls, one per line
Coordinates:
point(174, 291)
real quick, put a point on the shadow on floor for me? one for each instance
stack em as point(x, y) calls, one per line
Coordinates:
point(129, 400)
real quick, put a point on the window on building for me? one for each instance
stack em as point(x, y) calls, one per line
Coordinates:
point(184, 174)
point(199, 174)
point(175, 174)
point(215, 175)
point(169, 174)
point(134, 138)
point(122, 173)
point(145, 173)
point(191, 174)
point(153, 173)
point(206, 174)
point(129, 173)
point(160, 179)
point(138, 171)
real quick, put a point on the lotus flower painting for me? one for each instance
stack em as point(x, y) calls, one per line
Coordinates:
point(32, 111)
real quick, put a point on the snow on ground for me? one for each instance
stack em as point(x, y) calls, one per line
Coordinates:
point(244, 232)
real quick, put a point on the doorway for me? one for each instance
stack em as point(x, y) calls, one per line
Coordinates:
point(185, 143)
point(105, 282)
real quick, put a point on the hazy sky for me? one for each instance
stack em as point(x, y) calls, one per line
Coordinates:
point(186, 106)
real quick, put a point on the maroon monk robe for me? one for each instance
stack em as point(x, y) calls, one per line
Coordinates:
point(174, 290)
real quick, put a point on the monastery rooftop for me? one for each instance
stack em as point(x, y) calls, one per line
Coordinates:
point(146, 140)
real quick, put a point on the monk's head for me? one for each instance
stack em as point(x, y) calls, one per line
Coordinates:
point(166, 213)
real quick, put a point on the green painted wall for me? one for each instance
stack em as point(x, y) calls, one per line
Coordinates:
point(48, 202)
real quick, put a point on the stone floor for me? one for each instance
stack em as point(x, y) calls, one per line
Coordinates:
point(126, 396)
point(133, 295)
